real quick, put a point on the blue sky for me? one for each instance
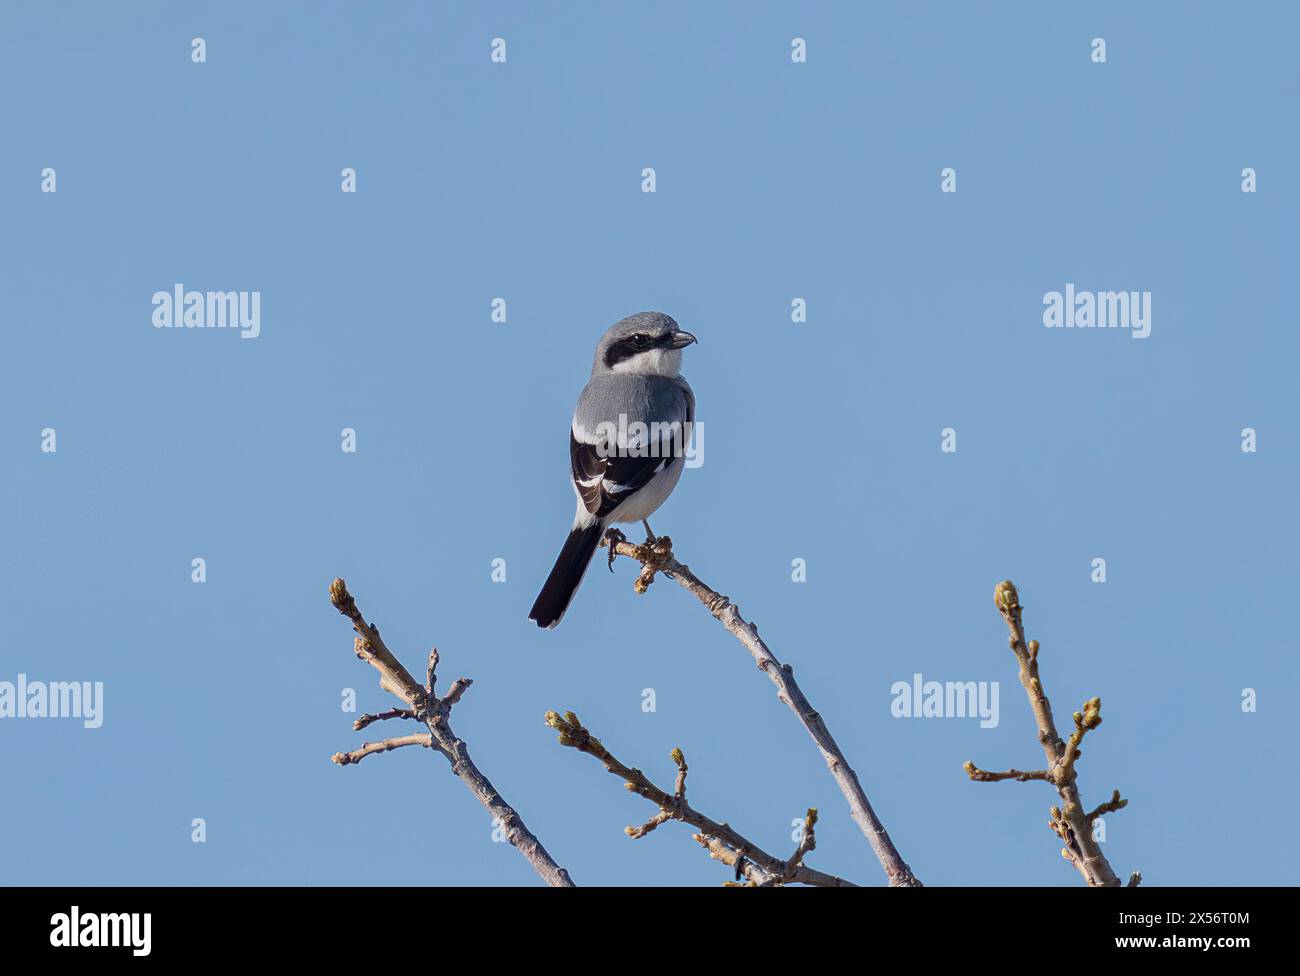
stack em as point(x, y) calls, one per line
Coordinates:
point(522, 180)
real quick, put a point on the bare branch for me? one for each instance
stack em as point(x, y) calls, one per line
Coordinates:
point(674, 807)
point(984, 776)
point(370, 748)
point(807, 841)
point(656, 556)
point(1068, 821)
point(679, 789)
point(431, 673)
point(458, 688)
point(365, 720)
point(370, 647)
point(434, 712)
point(1084, 722)
point(636, 833)
point(1110, 806)
point(744, 867)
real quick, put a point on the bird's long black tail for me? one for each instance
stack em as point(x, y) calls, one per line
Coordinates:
point(566, 575)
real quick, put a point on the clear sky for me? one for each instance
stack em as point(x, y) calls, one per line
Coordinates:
point(522, 180)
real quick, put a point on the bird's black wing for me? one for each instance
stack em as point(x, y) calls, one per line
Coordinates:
point(604, 480)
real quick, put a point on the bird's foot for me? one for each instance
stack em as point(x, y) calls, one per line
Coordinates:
point(612, 538)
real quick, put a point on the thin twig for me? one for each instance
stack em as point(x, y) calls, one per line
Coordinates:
point(984, 776)
point(458, 688)
point(807, 841)
point(1067, 821)
point(370, 748)
point(673, 806)
point(656, 556)
point(431, 675)
point(365, 720)
point(434, 712)
point(1116, 802)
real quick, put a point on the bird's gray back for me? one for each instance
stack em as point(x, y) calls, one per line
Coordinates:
point(645, 398)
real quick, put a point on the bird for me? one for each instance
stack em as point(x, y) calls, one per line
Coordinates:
point(627, 445)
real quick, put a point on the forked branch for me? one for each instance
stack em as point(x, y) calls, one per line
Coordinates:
point(723, 842)
point(1068, 821)
point(656, 556)
point(423, 705)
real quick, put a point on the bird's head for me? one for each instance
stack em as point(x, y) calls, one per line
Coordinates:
point(646, 344)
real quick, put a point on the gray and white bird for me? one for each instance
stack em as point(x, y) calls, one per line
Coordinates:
point(626, 446)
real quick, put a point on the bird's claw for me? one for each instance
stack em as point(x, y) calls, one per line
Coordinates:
point(612, 537)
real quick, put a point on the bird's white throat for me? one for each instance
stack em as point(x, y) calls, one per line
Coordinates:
point(652, 362)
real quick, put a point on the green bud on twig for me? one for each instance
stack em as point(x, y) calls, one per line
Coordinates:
point(1005, 596)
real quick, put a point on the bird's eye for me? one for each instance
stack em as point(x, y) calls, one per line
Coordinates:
point(640, 340)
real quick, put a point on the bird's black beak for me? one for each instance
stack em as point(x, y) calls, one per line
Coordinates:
point(680, 340)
